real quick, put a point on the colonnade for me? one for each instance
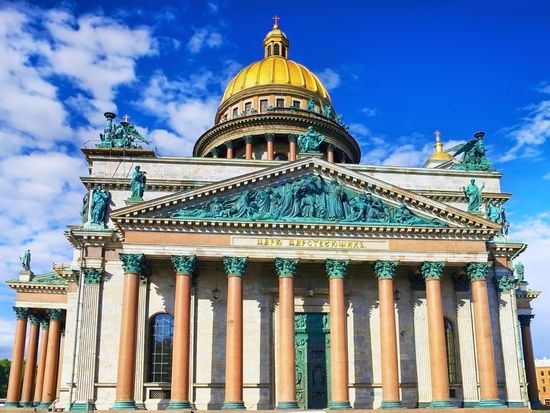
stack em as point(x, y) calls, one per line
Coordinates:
point(37, 385)
point(235, 268)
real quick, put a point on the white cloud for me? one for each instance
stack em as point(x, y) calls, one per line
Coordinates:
point(7, 328)
point(535, 231)
point(532, 132)
point(204, 37)
point(329, 78)
point(369, 112)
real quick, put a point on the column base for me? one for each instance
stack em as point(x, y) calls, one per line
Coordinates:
point(391, 405)
point(43, 406)
point(287, 405)
point(338, 405)
point(11, 405)
point(140, 406)
point(490, 403)
point(233, 406)
point(81, 406)
point(124, 405)
point(26, 404)
point(441, 404)
point(179, 405)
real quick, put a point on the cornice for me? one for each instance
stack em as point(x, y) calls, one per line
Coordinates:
point(79, 236)
point(30, 287)
point(151, 185)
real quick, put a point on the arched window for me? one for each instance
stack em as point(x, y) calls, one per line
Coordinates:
point(284, 51)
point(276, 50)
point(269, 50)
point(451, 351)
point(161, 334)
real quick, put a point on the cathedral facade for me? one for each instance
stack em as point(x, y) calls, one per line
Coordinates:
point(272, 270)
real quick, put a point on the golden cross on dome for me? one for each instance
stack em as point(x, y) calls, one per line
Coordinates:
point(126, 118)
point(437, 136)
point(276, 21)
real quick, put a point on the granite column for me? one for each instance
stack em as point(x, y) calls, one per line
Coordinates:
point(14, 384)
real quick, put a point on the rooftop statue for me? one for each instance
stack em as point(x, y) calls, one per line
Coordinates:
point(310, 140)
point(496, 213)
point(311, 105)
point(121, 135)
point(101, 199)
point(328, 112)
point(520, 272)
point(137, 183)
point(309, 199)
point(475, 158)
point(473, 196)
point(26, 260)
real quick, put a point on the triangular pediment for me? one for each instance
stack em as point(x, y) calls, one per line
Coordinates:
point(309, 192)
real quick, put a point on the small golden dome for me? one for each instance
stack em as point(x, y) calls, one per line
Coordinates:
point(439, 154)
point(275, 69)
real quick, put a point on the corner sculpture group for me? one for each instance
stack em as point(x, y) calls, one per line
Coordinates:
point(310, 199)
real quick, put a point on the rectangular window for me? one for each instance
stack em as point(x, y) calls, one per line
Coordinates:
point(247, 107)
point(280, 103)
point(235, 112)
point(263, 105)
point(296, 104)
point(547, 402)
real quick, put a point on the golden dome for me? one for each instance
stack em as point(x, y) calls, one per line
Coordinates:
point(275, 70)
point(439, 154)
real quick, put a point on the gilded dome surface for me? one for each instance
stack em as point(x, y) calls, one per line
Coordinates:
point(275, 70)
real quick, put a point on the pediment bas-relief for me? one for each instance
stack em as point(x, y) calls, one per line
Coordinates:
point(307, 199)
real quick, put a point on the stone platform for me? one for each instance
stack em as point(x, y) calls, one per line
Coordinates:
point(419, 410)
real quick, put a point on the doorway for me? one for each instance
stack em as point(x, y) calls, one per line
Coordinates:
point(312, 340)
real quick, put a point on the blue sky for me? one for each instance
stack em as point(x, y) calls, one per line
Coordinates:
point(396, 70)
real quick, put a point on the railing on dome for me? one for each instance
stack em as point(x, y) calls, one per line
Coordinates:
point(337, 119)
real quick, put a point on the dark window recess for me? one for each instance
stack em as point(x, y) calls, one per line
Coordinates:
point(452, 393)
point(160, 394)
point(280, 103)
point(269, 50)
point(276, 50)
point(279, 156)
point(161, 333)
point(263, 105)
point(451, 351)
point(247, 107)
point(235, 112)
point(296, 104)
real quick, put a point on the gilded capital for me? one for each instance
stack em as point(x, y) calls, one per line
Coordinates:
point(432, 270)
point(21, 313)
point(55, 314)
point(286, 267)
point(184, 264)
point(235, 266)
point(336, 268)
point(92, 275)
point(477, 271)
point(385, 270)
point(132, 263)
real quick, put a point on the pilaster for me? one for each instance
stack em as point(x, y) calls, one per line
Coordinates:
point(87, 347)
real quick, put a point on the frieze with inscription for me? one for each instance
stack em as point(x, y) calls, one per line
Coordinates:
point(311, 199)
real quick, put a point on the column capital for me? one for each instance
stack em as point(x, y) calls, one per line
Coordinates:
point(269, 137)
point(45, 322)
point(248, 139)
point(229, 144)
point(336, 268)
point(34, 318)
point(385, 270)
point(292, 138)
point(432, 270)
point(55, 314)
point(286, 267)
point(184, 264)
point(477, 271)
point(92, 275)
point(235, 266)
point(215, 152)
point(21, 313)
point(525, 319)
point(132, 263)
point(505, 284)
